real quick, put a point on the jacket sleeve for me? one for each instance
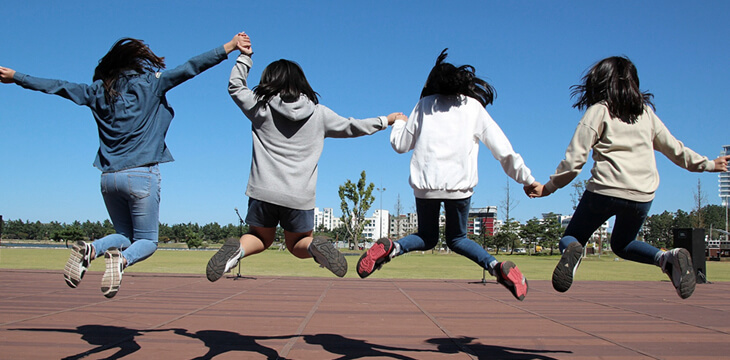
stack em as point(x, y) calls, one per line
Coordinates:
point(196, 65)
point(336, 126)
point(496, 141)
point(576, 155)
point(81, 94)
point(403, 134)
point(675, 151)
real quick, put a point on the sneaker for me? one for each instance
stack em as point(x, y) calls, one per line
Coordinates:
point(77, 263)
point(327, 256)
point(113, 274)
point(565, 270)
point(224, 260)
point(510, 276)
point(677, 264)
point(375, 257)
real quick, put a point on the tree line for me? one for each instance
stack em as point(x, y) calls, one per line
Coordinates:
point(191, 233)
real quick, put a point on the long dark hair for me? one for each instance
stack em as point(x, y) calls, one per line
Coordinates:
point(447, 79)
point(615, 81)
point(126, 54)
point(286, 79)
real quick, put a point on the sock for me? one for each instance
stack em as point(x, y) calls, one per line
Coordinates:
point(396, 250)
point(243, 253)
point(492, 267)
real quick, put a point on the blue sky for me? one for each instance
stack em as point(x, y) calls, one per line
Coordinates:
point(364, 58)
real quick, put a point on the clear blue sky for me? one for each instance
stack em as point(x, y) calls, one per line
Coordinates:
point(364, 58)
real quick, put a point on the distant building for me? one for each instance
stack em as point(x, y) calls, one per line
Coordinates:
point(376, 226)
point(324, 217)
point(482, 221)
point(723, 180)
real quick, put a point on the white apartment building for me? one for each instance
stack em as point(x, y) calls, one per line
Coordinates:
point(325, 217)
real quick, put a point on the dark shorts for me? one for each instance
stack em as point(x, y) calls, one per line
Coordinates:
point(263, 214)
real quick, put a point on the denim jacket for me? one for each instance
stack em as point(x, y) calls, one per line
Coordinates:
point(131, 130)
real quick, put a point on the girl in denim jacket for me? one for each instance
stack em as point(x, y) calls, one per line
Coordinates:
point(127, 100)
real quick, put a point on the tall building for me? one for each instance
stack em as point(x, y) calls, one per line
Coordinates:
point(724, 180)
point(324, 217)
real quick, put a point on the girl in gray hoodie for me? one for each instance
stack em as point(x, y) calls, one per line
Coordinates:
point(288, 128)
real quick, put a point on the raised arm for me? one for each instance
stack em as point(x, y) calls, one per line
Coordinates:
point(80, 94)
point(196, 65)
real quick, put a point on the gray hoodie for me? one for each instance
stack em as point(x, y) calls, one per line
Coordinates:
point(288, 138)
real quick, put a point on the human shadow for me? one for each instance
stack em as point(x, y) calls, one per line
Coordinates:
point(356, 349)
point(219, 342)
point(467, 345)
point(104, 337)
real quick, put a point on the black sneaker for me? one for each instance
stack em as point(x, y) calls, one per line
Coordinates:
point(112, 278)
point(77, 263)
point(375, 257)
point(677, 264)
point(511, 277)
point(565, 270)
point(224, 260)
point(327, 256)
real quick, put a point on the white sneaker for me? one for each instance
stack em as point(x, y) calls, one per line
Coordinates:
point(677, 264)
point(77, 263)
point(112, 278)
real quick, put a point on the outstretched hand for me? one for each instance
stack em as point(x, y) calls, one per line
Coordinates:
point(721, 163)
point(6, 75)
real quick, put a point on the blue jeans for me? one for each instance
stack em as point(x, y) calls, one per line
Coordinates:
point(132, 198)
point(457, 216)
point(594, 209)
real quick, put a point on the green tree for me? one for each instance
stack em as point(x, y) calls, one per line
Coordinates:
point(658, 229)
point(356, 199)
point(533, 231)
point(507, 234)
point(552, 231)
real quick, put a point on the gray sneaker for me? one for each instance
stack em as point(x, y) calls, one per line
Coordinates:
point(327, 256)
point(112, 278)
point(77, 263)
point(565, 270)
point(677, 264)
point(224, 260)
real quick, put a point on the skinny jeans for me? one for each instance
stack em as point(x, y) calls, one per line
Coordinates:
point(457, 216)
point(594, 209)
point(132, 198)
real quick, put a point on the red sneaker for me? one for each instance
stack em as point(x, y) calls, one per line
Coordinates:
point(510, 276)
point(375, 257)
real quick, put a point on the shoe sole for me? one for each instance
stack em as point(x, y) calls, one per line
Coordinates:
point(335, 261)
point(73, 272)
point(565, 270)
point(519, 282)
point(217, 264)
point(687, 279)
point(112, 278)
point(369, 261)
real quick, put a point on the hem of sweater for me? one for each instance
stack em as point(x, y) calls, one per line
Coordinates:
point(442, 194)
point(280, 198)
point(633, 195)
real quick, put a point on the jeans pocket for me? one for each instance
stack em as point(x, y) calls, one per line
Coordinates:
point(139, 185)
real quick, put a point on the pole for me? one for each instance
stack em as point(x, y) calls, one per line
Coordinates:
point(240, 233)
point(381, 189)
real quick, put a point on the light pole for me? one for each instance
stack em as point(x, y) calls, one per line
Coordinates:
point(380, 190)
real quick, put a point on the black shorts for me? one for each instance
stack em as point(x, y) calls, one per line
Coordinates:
point(267, 215)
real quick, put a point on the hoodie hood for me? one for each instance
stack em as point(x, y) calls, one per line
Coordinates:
point(298, 110)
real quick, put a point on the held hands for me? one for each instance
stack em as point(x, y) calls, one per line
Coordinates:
point(720, 163)
point(536, 190)
point(6, 75)
point(396, 116)
point(243, 43)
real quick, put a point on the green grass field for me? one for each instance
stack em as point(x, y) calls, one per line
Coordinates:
point(415, 265)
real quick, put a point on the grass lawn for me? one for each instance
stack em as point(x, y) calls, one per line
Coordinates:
point(415, 265)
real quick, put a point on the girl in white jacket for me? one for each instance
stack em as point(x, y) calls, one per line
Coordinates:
point(444, 131)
